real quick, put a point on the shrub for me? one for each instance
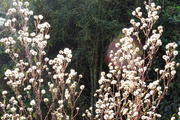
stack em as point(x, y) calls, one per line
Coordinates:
point(127, 91)
point(52, 97)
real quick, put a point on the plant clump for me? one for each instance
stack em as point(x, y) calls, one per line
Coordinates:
point(126, 92)
point(31, 91)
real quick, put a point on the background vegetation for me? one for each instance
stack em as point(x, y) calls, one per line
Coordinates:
point(88, 27)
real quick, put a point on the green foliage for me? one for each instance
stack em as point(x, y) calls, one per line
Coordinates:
point(5, 5)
